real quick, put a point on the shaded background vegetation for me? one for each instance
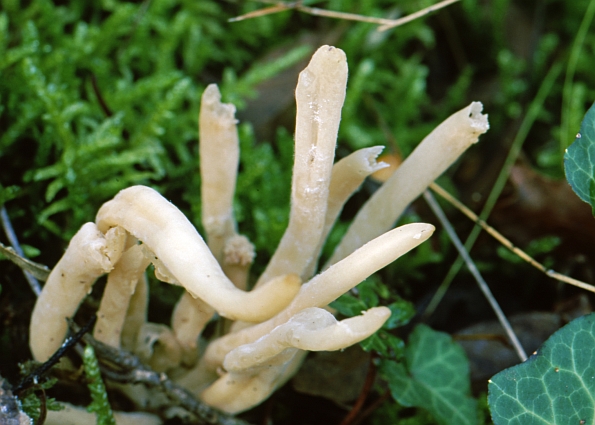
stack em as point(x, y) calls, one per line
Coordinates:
point(98, 96)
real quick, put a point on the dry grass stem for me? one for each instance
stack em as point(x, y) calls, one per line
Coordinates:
point(385, 24)
point(483, 286)
point(507, 243)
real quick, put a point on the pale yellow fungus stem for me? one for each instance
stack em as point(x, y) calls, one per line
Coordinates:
point(189, 318)
point(136, 314)
point(326, 287)
point(249, 388)
point(219, 152)
point(175, 242)
point(428, 161)
point(320, 94)
point(347, 176)
point(121, 285)
point(89, 255)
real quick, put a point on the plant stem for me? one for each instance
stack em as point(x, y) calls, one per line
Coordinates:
point(479, 279)
point(14, 242)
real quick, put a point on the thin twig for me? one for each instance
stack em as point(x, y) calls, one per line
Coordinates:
point(416, 15)
point(473, 269)
point(316, 11)
point(385, 24)
point(261, 12)
point(126, 367)
point(39, 271)
point(375, 405)
point(508, 244)
point(106, 110)
point(55, 358)
point(364, 393)
point(13, 240)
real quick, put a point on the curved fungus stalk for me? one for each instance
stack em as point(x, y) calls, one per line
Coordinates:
point(319, 96)
point(437, 151)
point(312, 329)
point(329, 285)
point(89, 255)
point(121, 286)
point(255, 370)
point(177, 245)
point(281, 319)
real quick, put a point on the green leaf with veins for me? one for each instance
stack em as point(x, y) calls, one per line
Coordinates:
point(434, 376)
point(579, 160)
point(555, 386)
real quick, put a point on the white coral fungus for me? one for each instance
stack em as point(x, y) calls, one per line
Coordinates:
point(281, 318)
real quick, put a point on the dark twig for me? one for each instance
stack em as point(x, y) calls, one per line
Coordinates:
point(43, 410)
point(103, 104)
point(33, 377)
point(122, 366)
point(370, 409)
point(359, 403)
point(106, 110)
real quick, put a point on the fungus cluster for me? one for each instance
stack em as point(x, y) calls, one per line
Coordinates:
point(285, 314)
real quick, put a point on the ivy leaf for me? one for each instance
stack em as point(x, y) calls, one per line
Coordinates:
point(555, 386)
point(579, 160)
point(433, 376)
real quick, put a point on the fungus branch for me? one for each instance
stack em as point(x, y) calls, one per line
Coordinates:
point(219, 152)
point(279, 319)
point(385, 24)
point(347, 176)
point(89, 255)
point(121, 285)
point(428, 161)
point(326, 287)
point(319, 95)
point(126, 367)
point(312, 329)
point(176, 244)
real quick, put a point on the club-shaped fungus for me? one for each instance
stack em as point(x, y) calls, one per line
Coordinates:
point(281, 318)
